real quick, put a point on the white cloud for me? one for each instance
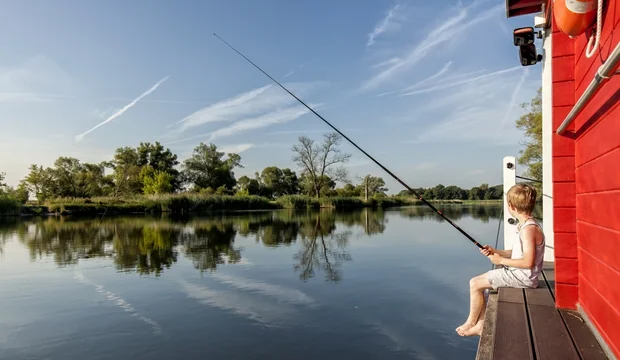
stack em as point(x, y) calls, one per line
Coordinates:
point(425, 166)
point(388, 23)
point(276, 117)
point(462, 82)
point(37, 79)
point(235, 148)
point(472, 111)
point(80, 137)
point(249, 103)
point(449, 30)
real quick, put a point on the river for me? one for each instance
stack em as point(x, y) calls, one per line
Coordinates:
point(369, 284)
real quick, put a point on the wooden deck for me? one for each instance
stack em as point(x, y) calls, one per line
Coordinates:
point(525, 324)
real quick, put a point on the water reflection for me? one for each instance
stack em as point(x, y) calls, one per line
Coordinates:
point(150, 245)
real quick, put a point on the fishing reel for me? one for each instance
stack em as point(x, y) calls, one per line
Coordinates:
point(513, 221)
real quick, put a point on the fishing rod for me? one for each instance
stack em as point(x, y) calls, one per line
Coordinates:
point(360, 149)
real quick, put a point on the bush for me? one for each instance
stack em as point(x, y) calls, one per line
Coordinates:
point(298, 202)
point(343, 203)
point(9, 206)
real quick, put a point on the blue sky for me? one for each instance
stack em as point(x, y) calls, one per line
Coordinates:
point(430, 89)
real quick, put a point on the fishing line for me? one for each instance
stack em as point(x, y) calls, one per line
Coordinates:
point(360, 149)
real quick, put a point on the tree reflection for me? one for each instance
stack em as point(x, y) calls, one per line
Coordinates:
point(151, 245)
point(483, 213)
point(322, 249)
point(209, 243)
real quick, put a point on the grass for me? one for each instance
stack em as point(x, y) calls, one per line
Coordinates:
point(200, 203)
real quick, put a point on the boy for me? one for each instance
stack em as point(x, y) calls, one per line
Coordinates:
point(521, 265)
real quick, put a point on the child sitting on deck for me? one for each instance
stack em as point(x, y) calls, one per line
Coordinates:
point(521, 265)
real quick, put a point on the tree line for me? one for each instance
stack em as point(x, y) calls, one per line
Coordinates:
point(150, 169)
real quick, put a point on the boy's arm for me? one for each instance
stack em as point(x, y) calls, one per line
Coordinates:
point(528, 235)
point(504, 253)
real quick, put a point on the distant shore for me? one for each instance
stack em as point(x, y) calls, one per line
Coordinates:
point(194, 203)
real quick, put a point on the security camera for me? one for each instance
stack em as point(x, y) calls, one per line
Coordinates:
point(523, 36)
point(528, 55)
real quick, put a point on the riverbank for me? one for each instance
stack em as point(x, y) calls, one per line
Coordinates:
point(194, 203)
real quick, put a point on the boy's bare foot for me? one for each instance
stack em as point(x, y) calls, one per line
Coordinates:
point(466, 326)
point(474, 330)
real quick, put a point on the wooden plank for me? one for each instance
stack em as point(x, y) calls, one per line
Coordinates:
point(551, 338)
point(587, 345)
point(550, 277)
point(485, 345)
point(511, 295)
point(539, 296)
point(512, 335)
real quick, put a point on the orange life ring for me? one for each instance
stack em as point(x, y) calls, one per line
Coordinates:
point(574, 17)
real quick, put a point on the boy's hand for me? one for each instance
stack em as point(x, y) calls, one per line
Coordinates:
point(488, 250)
point(495, 259)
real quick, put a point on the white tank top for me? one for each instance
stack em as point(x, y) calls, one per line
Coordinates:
point(529, 276)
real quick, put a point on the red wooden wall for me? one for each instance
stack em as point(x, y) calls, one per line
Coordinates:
point(586, 176)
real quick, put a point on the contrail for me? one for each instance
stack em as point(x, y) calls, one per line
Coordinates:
point(513, 100)
point(449, 85)
point(121, 111)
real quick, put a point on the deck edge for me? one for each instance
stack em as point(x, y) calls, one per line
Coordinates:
point(596, 334)
point(486, 341)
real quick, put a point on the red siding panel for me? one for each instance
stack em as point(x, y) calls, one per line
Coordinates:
point(566, 295)
point(604, 316)
point(564, 93)
point(562, 45)
point(563, 68)
point(602, 208)
point(564, 146)
point(565, 245)
point(566, 270)
point(600, 139)
point(564, 194)
point(560, 112)
point(564, 219)
point(602, 277)
point(564, 169)
point(602, 243)
point(601, 174)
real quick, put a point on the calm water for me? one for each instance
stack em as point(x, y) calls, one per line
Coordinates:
point(261, 285)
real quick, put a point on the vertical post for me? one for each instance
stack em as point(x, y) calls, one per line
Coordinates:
point(547, 155)
point(510, 179)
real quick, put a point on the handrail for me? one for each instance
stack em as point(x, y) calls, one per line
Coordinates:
point(604, 72)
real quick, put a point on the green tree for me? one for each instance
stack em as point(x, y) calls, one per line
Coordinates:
point(207, 168)
point(156, 181)
point(160, 159)
point(349, 190)
point(321, 161)
point(308, 186)
point(531, 124)
point(38, 182)
point(372, 185)
point(126, 171)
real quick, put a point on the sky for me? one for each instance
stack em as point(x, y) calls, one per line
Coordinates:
point(429, 89)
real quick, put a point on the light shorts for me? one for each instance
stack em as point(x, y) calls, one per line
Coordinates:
point(503, 277)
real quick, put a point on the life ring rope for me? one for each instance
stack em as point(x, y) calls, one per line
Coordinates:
point(591, 50)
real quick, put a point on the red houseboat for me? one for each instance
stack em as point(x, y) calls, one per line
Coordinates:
point(580, 58)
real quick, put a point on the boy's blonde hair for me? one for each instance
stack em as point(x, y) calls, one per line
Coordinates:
point(522, 197)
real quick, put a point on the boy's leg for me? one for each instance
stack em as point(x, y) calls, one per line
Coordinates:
point(477, 329)
point(477, 285)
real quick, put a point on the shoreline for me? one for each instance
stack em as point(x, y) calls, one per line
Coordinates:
point(196, 204)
